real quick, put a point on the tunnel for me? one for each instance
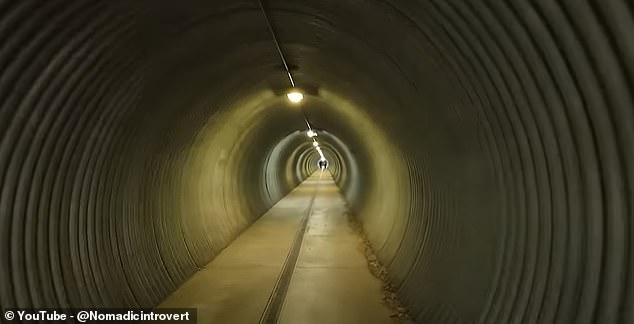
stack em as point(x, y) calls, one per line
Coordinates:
point(486, 148)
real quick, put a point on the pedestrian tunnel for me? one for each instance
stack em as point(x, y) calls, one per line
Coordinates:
point(484, 147)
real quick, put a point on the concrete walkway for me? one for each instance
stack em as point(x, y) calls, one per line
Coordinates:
point(299, 263)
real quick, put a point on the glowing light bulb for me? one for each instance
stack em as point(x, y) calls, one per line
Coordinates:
point(295, 96)
point(315, 144)
point(311, 133)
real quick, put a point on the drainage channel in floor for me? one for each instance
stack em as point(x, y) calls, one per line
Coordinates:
point(271, 313)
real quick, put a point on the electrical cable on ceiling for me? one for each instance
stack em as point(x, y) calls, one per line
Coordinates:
point(281, 54)
point(277, 44)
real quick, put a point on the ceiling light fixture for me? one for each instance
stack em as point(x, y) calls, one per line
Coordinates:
point(295, 96)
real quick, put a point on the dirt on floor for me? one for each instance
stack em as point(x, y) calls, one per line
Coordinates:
point(390, 298)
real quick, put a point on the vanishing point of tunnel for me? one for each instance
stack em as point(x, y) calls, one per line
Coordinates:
point(318, 161)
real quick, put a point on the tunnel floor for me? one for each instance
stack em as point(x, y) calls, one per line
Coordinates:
point(301, 262)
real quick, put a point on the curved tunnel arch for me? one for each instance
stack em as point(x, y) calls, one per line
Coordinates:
point(485, 146)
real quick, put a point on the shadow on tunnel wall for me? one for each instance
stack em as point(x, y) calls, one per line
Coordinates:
point(486, 146)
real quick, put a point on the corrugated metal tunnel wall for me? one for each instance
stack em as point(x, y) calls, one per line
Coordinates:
point(486, 146)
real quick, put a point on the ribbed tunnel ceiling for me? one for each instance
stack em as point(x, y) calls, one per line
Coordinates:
point(486, 146)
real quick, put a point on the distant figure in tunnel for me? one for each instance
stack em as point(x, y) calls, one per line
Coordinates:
point(323, 164)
